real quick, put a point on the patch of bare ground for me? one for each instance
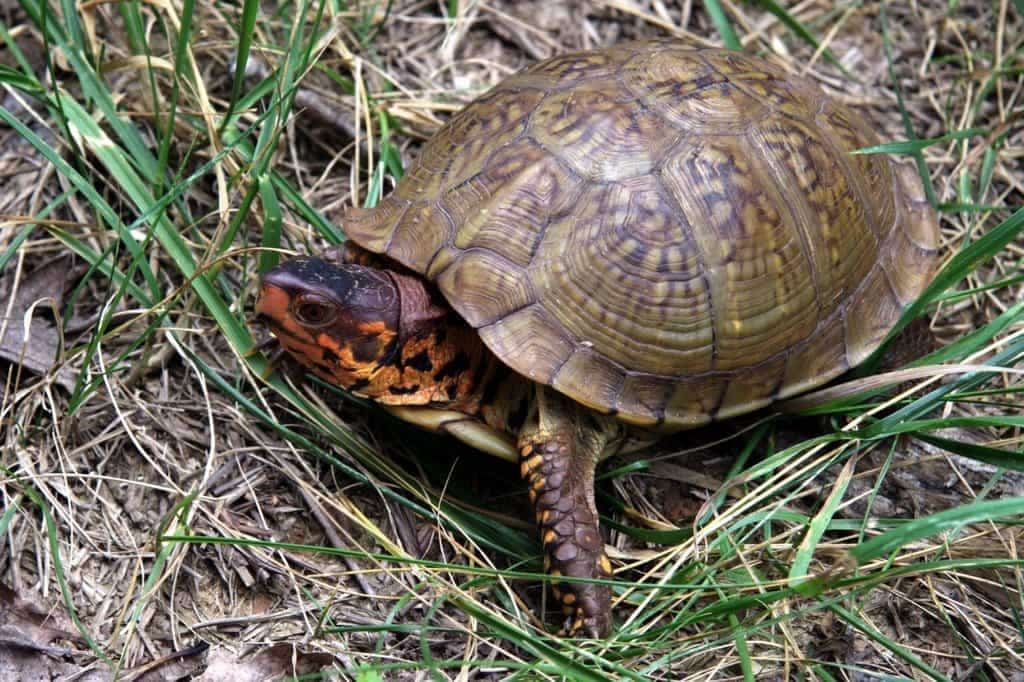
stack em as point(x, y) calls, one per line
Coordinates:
point(114, 435)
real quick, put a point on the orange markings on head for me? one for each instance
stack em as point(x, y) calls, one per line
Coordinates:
point(351, 325)
point(273, 302)
point(273, 306)
point(339, 320)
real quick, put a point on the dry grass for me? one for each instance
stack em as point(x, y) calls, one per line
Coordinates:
point(150, 446)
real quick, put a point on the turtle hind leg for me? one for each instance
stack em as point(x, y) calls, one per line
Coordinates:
point(557, 460)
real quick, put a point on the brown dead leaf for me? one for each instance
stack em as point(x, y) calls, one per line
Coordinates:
point(25, 622)
point(271, 663)
point(180, 665)
point(27, 634)
point(40, 290)
point(32, 666)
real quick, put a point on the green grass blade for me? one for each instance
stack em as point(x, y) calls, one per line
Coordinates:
point(1006, 459)
point(15, 244)
point(956, 269)
point(969, 257)
point(911, 146)
point(272, 222)
point(101, 262)
point(69, 9)
point(722, 24)
point(84, 186)
point(908, 126)
point(246, 32)
point(11, 45)
point(18, 80)
point(790, 22)
point(950, 519)
point(571, 666)
point(134, 26)
point(59, 572)
point(95, 90)
point(890, 645)
point(799, 570)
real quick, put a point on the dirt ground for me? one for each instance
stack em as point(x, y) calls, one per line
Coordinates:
point(91, 481)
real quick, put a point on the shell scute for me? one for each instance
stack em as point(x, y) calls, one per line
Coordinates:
point(600, 137)
point(525, 187)
point(872, 171)
point(763, 293)
point(564, 71)
point(907, 262)
point(487, 286)
point(824, 201)
point(694, 399)
point(643, 398)
point(752, 389)
point(597, 272)
point(423, 180)
point(589, 374)
point(499, 122)
point(872, 312)
point(372, 227)
point(683, 88)
point(422, 230)
point(529, 338)
point(822, 355)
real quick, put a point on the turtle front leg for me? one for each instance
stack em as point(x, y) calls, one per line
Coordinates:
point(558, 457)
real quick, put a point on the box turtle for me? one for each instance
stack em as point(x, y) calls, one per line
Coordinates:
point(608, 246)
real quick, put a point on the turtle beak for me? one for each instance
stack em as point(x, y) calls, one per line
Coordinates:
point(272, 303)
point(269, 303)
point(278, 286)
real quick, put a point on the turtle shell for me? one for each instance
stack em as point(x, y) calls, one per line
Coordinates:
point(670, 234)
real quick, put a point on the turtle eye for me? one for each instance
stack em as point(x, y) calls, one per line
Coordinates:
point(314, 311)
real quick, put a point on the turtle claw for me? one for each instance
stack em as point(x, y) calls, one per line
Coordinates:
point(274, 351)
point(277, 359)
point(578, 623)
point(270, 343)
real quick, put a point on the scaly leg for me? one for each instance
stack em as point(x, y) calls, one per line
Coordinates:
point(558, 456)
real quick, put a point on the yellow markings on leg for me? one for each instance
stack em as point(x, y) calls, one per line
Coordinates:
point(605, 564)
point(528, 465)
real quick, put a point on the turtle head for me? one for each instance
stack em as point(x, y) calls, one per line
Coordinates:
point(341, 321)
